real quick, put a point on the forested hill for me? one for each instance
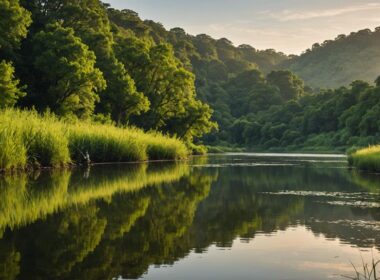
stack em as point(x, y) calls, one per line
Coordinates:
point(338, 62)
point(210, 59)
point(332, 64)
point(260, 106)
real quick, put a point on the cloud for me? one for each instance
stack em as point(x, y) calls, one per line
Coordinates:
point(293, 15)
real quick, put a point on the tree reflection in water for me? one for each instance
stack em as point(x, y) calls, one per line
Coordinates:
point(118, 220)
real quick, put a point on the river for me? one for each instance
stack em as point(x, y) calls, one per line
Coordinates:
point(233, 216)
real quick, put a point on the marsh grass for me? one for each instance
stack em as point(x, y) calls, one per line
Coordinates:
point(366, 159)
point(368, 271)
point(28, 139)
point(13, 151)
point(160, 147)
point(105, 143)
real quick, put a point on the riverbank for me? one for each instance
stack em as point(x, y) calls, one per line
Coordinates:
point(28, 140)
point(367, 159)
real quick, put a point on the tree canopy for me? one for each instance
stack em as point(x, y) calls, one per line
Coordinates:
point(69, 81)
point(14, 23)
point(88, 60)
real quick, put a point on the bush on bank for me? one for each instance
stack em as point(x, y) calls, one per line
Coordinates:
point(366, 159)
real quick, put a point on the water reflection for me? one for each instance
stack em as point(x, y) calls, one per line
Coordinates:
point(117, 221)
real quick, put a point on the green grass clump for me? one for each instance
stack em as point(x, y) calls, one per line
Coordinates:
point(12, 152)
point(160, 147)
point(45, 141)
point(29, 139)
point(366, 159)
point(105, 143)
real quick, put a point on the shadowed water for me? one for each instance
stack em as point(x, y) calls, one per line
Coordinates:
point(236, 216)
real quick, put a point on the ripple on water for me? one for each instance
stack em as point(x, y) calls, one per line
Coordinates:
point(351, 199)
point(248, 164)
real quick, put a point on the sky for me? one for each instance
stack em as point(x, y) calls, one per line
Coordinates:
point(290, 26)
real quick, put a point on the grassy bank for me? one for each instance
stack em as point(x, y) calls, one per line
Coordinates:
point(366, 159)
point(28, 139)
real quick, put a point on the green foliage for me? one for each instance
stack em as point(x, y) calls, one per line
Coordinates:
point(146, 84)
point(169, 87)
point(10, 91)
point(90, 23)
point(161, 147)
point(121, 99)
point(14, 22)
point(90, 61)
point(13, 153)
point(47, 141)
point(72, 86)
point(290, 86)
point(366, 159)
point(338, 62)
point(39, 140)
point(104, 144)
point(198, 149)
point(328, 120)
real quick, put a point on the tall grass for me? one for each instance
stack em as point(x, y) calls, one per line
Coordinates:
point(104, 143)
point(368, 271)
point(28, 139)
point(366, 159)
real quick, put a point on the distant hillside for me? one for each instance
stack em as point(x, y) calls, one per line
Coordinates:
point(258, 105)
point(210, 59)
point(332, 64)
point(338, 62)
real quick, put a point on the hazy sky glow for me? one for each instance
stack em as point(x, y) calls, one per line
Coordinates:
point(290, 26)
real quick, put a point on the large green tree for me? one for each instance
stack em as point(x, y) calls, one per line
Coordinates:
point(69, 81)
point(169, 87)
point(89, 20)
point(290, 86)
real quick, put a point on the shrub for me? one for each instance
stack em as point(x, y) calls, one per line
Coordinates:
point(366, 159)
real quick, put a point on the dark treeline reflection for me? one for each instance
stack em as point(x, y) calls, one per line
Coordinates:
point(117, 221)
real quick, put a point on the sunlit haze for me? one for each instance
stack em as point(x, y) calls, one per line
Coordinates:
point(290, 26)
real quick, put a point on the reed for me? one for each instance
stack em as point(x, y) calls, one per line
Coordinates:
point(105, 143)
point(29, 139)
point(366, 159)
point(367, 271)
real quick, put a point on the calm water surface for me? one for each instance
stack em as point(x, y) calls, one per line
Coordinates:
point(235, 216)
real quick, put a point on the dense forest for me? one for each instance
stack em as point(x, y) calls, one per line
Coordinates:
point(338, 62)
point(86, 60)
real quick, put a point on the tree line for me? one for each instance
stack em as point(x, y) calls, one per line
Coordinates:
point(86, 60)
